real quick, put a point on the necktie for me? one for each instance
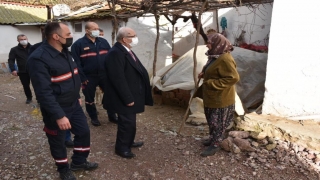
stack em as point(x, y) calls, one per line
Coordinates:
point(132, 56)
point(137, 63)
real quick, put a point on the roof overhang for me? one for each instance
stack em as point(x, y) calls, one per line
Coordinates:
point(30, 24)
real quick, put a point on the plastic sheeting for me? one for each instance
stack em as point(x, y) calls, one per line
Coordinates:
point(251, 67)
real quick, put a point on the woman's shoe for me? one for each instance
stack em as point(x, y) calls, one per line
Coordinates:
point(206, 142)
point(210, 151)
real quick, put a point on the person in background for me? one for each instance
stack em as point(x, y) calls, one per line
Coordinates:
point(56, 81)
point(128, 89)
point(101, 33)
point(218, 90)
point(19, 54)
point(89, 53)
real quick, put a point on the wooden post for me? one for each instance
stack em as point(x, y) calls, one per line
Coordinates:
point(115, 21)
point(156, 44)
point(172, 43)
point(196, 82)
point(217, 21)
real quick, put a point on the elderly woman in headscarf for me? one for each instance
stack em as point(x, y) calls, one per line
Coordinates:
point(218, 90)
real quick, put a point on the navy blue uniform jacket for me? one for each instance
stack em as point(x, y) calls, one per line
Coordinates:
point(90, 56)
point(126, 82)
point(54, 76)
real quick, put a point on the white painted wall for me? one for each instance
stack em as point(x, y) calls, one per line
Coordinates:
point(293, 69)
point(8, 37)
point(103, 24)
point(255, 21)
point(185, 33)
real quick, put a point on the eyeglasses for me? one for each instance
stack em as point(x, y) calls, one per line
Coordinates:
point(131, 36)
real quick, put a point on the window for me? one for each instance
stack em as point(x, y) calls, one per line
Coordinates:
point(78, 27)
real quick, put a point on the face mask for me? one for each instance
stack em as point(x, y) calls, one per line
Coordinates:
point(101, 36)
point(24, 42)
point(68, 43)
point(134, 41)
point(94, 33)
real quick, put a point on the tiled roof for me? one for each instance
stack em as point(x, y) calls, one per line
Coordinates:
point(12, 13)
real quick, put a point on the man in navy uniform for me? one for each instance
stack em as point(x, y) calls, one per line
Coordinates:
point(55, 78)
point(89, 52)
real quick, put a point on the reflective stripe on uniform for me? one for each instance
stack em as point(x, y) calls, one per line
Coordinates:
point(88, 54)
point(64, 77)
point(61, 161)
point(103, 52)
point(81, 149)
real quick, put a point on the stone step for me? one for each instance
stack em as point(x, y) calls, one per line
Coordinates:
point(304, 133)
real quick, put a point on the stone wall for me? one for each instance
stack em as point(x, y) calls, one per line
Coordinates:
point(177, 97)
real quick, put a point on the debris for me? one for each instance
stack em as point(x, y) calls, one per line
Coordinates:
point(10, 96)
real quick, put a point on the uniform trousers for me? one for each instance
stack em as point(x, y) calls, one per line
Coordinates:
point(89, 92)
point(56, 137)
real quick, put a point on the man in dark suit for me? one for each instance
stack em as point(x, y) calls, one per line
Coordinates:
point(127, 91)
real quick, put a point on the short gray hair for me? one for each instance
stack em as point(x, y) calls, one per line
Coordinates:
point(122, 33)
point(20, 35)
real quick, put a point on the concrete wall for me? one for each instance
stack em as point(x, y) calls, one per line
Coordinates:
point(8, 37)
point(256, 22)
point(293, 69)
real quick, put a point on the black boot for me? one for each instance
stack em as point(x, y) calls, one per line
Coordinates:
point(29, 99)
point(67, 175)
point(85, 166)
point(113, 117)
point(95, 122)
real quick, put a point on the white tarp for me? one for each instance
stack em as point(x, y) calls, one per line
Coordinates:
point(251, 66)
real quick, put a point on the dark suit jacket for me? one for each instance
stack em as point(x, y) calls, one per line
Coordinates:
point(127, 81)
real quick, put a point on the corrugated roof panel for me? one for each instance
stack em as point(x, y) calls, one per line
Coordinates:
point(15, 14)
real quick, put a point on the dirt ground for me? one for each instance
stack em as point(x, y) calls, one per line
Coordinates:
point(24, 151)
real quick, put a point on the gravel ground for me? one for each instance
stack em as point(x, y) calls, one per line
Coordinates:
point(24, 151)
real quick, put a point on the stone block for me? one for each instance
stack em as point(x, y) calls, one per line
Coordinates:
point(243, 144)
point(157, 99)
point(239, 134)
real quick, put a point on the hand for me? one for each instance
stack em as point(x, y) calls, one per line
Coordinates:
point(80, 102)
point(131, 104)
point(85, 82)
point(200, 75)
point(14, 73)
point(64, 123)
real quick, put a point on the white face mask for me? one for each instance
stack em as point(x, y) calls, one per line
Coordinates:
point(24, 42)
point(134, 41)
point(94, 33)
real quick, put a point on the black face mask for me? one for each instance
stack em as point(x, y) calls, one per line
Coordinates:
point(68, 43)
